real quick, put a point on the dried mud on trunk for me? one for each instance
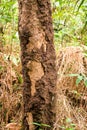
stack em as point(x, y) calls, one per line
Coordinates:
point(38, 63)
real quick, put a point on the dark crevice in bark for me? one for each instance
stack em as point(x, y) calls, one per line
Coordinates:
point(43, 14)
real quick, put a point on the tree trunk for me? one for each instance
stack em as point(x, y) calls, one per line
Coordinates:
point(38, 64)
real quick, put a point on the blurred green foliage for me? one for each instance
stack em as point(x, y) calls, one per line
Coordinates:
point(70, 22)
point(8, 21)
point(9, 39)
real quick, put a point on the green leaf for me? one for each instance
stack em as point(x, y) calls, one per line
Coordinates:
point(68, 120)
point(69, 128)
point(1, 68)
point(20, 80)
point(45, 125)
point(37, 124)
point(80, 4)
point(80, 77)
point(73, 125)
point(79, 80)
point(73, 75)
point(85, 82)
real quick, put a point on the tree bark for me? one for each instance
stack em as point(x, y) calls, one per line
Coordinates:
point(38, 64)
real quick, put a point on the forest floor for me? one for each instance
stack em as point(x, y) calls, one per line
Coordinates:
point(71, 89)
point(71, 102)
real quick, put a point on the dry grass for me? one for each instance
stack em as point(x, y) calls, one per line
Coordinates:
point(71, 99)
point(13, 126)
point(10, 86)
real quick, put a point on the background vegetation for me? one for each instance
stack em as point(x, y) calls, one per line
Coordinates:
point(70, 22)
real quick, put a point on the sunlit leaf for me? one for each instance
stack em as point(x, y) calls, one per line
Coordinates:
point(73, 75)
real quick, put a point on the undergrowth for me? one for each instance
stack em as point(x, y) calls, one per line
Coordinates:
point(71, 97)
